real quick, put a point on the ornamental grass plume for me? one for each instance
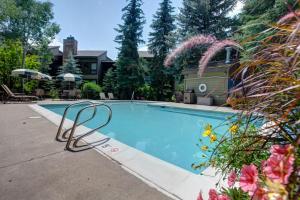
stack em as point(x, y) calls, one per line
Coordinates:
point(212, 51)
point(216, 46)
point(189, 44)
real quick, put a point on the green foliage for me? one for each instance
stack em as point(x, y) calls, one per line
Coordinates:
point(54, 93)
point(205, 17)
point(236, 194)
point(30, 86)
point(208, 17)
point(32, 62)
point(91, 90)
point(129, 74)
point(45, 56)
point(109, 81)
point(29, 21)
point(8, 10)
point(162, 40)
point(257, 16)
point(147, 92)
point(10, 54)
point(70, 66)
point(238, 149)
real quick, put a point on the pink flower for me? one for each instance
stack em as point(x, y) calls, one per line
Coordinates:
point(279, 168)
point(249, 178)
point(200, 196)
point(223, 197)
point(231, 179)
point(213, 195)
point(284, 150)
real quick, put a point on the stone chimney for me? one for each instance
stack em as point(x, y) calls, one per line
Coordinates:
point(70, 46)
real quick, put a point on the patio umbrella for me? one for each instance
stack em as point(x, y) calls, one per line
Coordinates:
point(25, 73)
point(30, 74)
point(68, 77)
point(44, 77)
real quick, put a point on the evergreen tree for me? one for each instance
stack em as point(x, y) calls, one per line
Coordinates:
point(208, 17)
point(162, 40)
point(205, 17)
point(109, 81)
point(128, 70)
point(70, 66)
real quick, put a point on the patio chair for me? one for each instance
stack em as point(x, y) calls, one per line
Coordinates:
point(40, 93)
point(13, 96)
point(103, 96)
point(78, 94)
point(111, 96)
point(72, 94)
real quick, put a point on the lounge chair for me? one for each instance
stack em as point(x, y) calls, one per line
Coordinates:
point(111, 96)
point(103, 96)
point(17, 97)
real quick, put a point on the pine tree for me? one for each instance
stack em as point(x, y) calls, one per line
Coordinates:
point(109, 81)
point(128, 70)
point(70, 66)
point(208, 17)
point(161, 41)
point(205, 17)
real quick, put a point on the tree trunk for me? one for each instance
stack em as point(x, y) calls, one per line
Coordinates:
point(24, 56)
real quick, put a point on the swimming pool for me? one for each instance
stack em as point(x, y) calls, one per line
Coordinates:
point(170, 134)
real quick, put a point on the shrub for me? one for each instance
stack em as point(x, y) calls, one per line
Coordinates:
point(54, 94)
point(147, 92)
point(30, 86)
point(91, 90)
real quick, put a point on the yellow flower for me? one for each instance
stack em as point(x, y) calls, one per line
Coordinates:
point(204, 148)
point(206, 133)
point(234, 129)
point(213, 138)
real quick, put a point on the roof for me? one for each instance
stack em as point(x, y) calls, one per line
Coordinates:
point(89, 53)
point(55, 50)
point(145, 54)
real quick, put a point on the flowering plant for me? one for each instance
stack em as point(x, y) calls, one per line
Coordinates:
point(268, 182)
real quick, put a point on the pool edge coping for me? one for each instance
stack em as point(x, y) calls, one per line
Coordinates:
point(151, 170)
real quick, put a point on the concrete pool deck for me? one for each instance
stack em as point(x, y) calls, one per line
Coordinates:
point(34, 166)
point(167, 178)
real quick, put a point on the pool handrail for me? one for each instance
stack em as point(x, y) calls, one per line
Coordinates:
point(75, 125)
point(64, 117)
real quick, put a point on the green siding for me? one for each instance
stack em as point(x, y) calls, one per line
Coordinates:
point(216, 82)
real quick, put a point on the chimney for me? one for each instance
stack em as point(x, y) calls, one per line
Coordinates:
point(70, 46)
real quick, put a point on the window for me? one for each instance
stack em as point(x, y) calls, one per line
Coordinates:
point(94, 68)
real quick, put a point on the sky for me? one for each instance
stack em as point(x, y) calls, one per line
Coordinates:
point(92, 22)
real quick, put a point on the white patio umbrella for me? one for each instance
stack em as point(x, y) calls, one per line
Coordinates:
point(25, 73)
point(30, 74)
point(68, 77)
point(44, 77)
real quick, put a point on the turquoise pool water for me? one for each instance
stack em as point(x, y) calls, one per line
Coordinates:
point(170, 134)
